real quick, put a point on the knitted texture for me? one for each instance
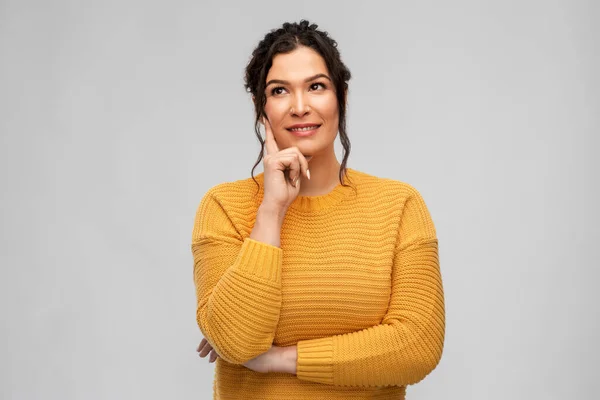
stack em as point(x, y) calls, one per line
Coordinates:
point(356, 285)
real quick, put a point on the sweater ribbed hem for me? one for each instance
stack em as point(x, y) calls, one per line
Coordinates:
point(260, 259)
point(315, 360)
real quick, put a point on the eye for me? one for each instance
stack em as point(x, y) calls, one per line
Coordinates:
point(277, 90)
point(316, 85)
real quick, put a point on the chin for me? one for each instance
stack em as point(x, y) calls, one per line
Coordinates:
point(305, 148)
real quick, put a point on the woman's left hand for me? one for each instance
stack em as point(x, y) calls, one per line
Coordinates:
point(265, 362)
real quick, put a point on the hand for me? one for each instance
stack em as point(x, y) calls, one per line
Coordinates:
point(266, 362)
point(280, 191)
point(205, 348)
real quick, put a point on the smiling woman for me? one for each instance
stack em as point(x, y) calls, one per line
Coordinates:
point(298, 81)
point(310, 288)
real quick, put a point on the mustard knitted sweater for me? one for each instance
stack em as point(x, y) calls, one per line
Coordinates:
point(356, 285)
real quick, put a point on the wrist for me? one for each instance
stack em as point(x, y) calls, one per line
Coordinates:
point(286, 359)
point(267, 227)
point(270, 216)
point(270, 212)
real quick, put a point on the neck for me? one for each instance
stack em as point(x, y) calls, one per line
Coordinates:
point(324, 176)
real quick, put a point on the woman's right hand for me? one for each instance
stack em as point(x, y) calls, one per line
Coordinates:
point(204, 348)
point(282, 169)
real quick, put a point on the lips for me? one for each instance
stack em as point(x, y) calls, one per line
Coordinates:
point(304, 130)
point(303, 127)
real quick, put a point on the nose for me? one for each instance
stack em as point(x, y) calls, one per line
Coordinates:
point(299, 106)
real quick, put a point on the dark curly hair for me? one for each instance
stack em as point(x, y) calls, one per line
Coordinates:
point(284, 40)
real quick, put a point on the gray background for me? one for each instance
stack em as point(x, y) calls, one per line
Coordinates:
point(117, 116)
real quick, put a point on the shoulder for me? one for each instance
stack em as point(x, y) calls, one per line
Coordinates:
point(227, 209)
point(237, 197)
point(402, 200)
point(394, 189)
point(235, 190)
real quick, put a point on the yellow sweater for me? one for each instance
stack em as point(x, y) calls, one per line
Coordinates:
point(356, 285)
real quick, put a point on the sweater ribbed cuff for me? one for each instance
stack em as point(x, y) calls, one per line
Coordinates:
point(260, 259)
point(315, 360)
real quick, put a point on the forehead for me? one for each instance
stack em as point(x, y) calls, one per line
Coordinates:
point(297, 65)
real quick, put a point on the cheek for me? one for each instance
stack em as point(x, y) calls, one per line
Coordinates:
point(275, 110)
point(328, 109)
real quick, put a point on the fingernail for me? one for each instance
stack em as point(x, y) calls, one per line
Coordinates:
point(308, 174)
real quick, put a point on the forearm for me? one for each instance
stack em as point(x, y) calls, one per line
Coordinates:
point(404, 348)
point(381, 355)
point(267, 227)
point(234, 328)
point(237, 277)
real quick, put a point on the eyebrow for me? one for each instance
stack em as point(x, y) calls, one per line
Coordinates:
point(312, 78)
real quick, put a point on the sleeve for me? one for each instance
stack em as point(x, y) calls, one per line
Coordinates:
point(238, 285)
point(408, 343)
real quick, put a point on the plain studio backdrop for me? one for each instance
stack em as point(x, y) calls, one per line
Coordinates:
point(117, 116)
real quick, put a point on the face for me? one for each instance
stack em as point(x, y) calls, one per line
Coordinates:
point(300, 93)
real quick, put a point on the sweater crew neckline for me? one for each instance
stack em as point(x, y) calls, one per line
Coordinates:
point(320, 202)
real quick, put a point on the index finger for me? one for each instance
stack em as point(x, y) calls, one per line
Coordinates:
point(270, 143)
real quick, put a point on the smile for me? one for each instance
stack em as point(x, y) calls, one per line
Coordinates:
point(304, 130)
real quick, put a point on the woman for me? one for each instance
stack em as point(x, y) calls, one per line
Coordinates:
point(308, 287)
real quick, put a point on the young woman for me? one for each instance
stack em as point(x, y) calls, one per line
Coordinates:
point(307, 287)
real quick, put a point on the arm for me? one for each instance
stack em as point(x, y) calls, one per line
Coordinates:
point(238, 284)
point(408, 343)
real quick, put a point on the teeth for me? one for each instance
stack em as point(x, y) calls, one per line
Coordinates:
point(308, 128)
